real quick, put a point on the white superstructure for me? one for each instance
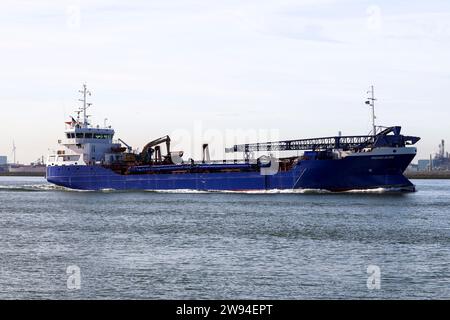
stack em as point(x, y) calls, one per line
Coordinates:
point(84, 144)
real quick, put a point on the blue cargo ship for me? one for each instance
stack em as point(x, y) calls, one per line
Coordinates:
point(89, 159)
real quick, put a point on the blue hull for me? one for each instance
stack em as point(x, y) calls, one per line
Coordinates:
point(351, 173)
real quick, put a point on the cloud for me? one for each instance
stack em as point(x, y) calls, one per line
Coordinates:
point(265, 63)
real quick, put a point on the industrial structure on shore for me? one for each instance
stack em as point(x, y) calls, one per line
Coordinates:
point(34, 168)
point(3, 163)
point(439, 162)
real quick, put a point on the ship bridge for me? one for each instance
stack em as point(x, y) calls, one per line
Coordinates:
point(83, 143)
point(84, 135)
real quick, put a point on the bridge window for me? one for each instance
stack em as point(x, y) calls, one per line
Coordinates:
point(88, 135)
point(101, 136)
point(80, 135)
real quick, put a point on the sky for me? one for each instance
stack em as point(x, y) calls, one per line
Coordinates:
point(223, 72)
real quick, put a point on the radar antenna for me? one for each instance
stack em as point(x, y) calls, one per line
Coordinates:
point(85, 92)
point(371, 102)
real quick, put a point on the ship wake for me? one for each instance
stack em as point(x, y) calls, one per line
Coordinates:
point(51, 187)
point(34, 188)
point(284, 191)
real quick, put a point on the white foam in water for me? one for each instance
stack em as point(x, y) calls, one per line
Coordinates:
point(279, 191)
point(37, 187)
point(272, 191)
point(43, 187)
point(51, 187)
point(27, 187)
point(376, 190)
point(179, 191)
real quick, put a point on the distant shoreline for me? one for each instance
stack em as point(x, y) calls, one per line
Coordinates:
point(22, 174)
point(428, 174)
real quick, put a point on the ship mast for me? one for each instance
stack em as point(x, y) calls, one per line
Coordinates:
point(371, 101)
point(85, 92)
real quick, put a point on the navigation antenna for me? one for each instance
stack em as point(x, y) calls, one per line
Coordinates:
point(371, 102)
point(85, 92)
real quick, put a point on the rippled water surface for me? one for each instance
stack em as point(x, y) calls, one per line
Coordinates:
point(156, 245)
